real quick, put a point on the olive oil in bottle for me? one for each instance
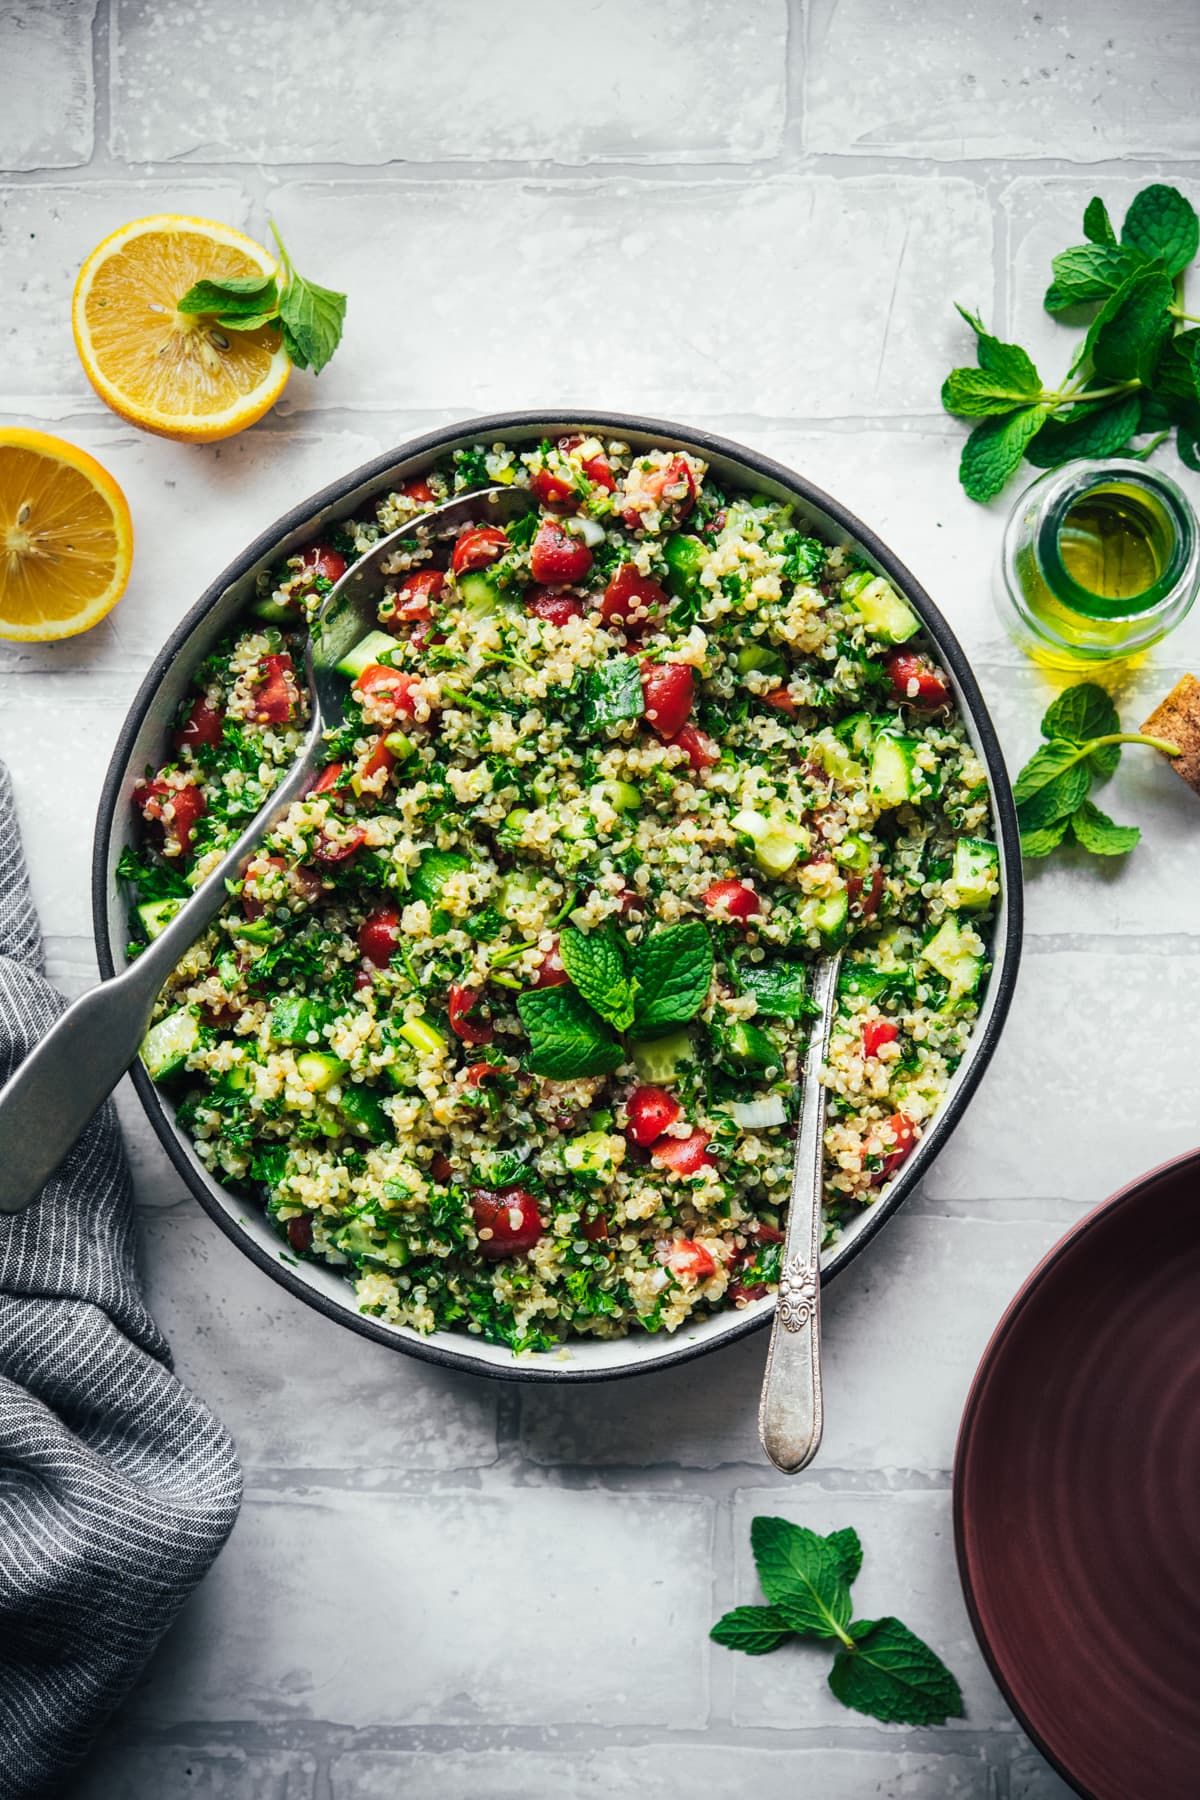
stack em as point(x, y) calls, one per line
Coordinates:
point(1101, 560)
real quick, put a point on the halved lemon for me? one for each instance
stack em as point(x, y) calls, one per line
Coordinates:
point(178, 374)
point(66, 538)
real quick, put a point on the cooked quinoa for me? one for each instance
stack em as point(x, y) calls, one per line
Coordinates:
point(504, 1020)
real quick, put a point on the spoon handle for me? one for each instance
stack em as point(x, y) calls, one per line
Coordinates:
point(791, 1414)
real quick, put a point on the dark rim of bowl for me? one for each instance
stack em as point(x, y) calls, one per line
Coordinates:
point(490, 427)
point(1130, 1194)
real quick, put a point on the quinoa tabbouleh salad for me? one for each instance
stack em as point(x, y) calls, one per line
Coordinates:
point(504, 1018)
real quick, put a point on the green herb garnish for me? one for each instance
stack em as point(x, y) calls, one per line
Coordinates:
point(310, 317)
point(881, 1669)
point(1135, 372)
point(1084, 739)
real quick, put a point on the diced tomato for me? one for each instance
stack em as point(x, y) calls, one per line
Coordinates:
point(364, 977)
point(597, 468)
point(510, 1217)
point(781, 701)
point(876, 1033)
point(252, 905)
point(300, 1233)
point(672, 489)
point(418, 489)
point(551, 489)
point(175, 810)
point(687, 1259)
point(327, 780)
point(683, 1155)
point(905, 1137)
point(632, 600)
point(377, 757)
point(321, 560)
point(387, 689)
point(668, 689)
point(701, 751)
point(762, 1233)
point(550, 971)
point(650, 1111)
point(203, 725)
point(555, 608)
point(330, 848)
point(416, 594)
point(732, 897)
point(275, 694)
point(868, 894)
point(557, 556)
point(379, 935)
point(462, 1003)
point(631, 901)
point(905, 668)
point(478, 548)
point(741, 1295)
point(593, 1225)
point(440, 1167)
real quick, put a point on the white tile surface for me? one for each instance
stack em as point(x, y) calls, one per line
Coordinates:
point(753, 218)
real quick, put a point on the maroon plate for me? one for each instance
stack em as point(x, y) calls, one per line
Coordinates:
point(1077, 1496)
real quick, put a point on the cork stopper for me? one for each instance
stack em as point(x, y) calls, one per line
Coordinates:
point(1177, 720)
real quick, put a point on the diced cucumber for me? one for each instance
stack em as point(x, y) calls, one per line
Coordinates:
point(976, 869)
point(749, 1047)
point(355, 1238)
point(880, 607)
point(622, 796)
point(777, 840)
point(947, 952)
point(433, 872)
point(760, 658)
point(368, 650)
point(167, 1045)
point(685, 557)
point(295, 1019)
point(274, 612)
point(512, 825)
point(400, 745)
point(425, 1038)
point(363, 1113)
point(836, 758)
point(320, 1070)
point(593, 1153)
point(479, 594)
point(519, 889)
point(894, 776)
point(855, 852)
point(657, 1060)
point(831, 916)
point(856, 732)
point(156, 915)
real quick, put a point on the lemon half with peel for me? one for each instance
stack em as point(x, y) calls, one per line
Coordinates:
point(178, 374)
point(66, 538)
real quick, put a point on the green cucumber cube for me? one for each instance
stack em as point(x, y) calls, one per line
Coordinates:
point(657, 1060)
point(156, 915)
point(880, 607)
point(976, 870)
point(750, 1047)
point(364, 1114)
point(167, 1045)
point(368, 650)
point(320, 1070)
point(295, 1017)
point(947, 952)
point(893, 776)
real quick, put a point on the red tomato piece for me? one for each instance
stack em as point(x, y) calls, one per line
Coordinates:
point(480, 1072)
point(477, 548)
point(668, 689)
point(174, 810)
point(593, 1225)
point(550, 971)
point(741, 1295)
point(597, 468)
point(551, 489)
point(764, 1233)
point(300, 1233)
point(781, 701)
point(462, 1003)
point(687, 1259)
point(510, 1217)
point(733, 897)
point(632, 600)
point(702, 752)
point(275, 692)
point(905, 1137)
point(327, 780)
point(387, 689)
point(364, 977)
point(555, 608)
point(379, 935)
point(557, 556)
point(377, 757)
point(440, 1168)
point(416, 594)
point(876, 1033)
point(320, 559)
point(915, 679)
point(329, 849)
point(202, 726)
point(672, 489)
point(418, 489)
point(868, 894)
point(683, 1155)
point(650, 1111)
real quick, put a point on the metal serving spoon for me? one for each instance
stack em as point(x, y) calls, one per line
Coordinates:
point(46, 1105)
point(791, 1412)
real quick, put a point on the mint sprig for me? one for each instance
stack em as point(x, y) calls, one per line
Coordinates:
point(1084, 740)
point(881, 1667)
point(1135, 372)
point(310, 318)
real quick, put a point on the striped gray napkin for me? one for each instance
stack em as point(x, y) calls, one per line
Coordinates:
point(117, 1487)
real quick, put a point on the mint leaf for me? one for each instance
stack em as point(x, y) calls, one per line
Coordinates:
point(613, 691)
point(1007, 361)
point(1087, 431)
point(977, 394)
point(848, 1546)
point(312, 317)
point(1088, 272)
point(780, 988)
point(1045, 839)
point(247, 321)
point(673, 969)
point(595, 963)
point(1096, 223)
point(1161, 223)
point(238, 294)
point(1097, 833)
point(1128, 333)
point(1187, 442)
point(754, 1629)
point(803, 1575)
point(566, 1039)
point(1056, 799)
point(1045, 763)
point(891, 1675)
point(994, 450)
point(1081, 712)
